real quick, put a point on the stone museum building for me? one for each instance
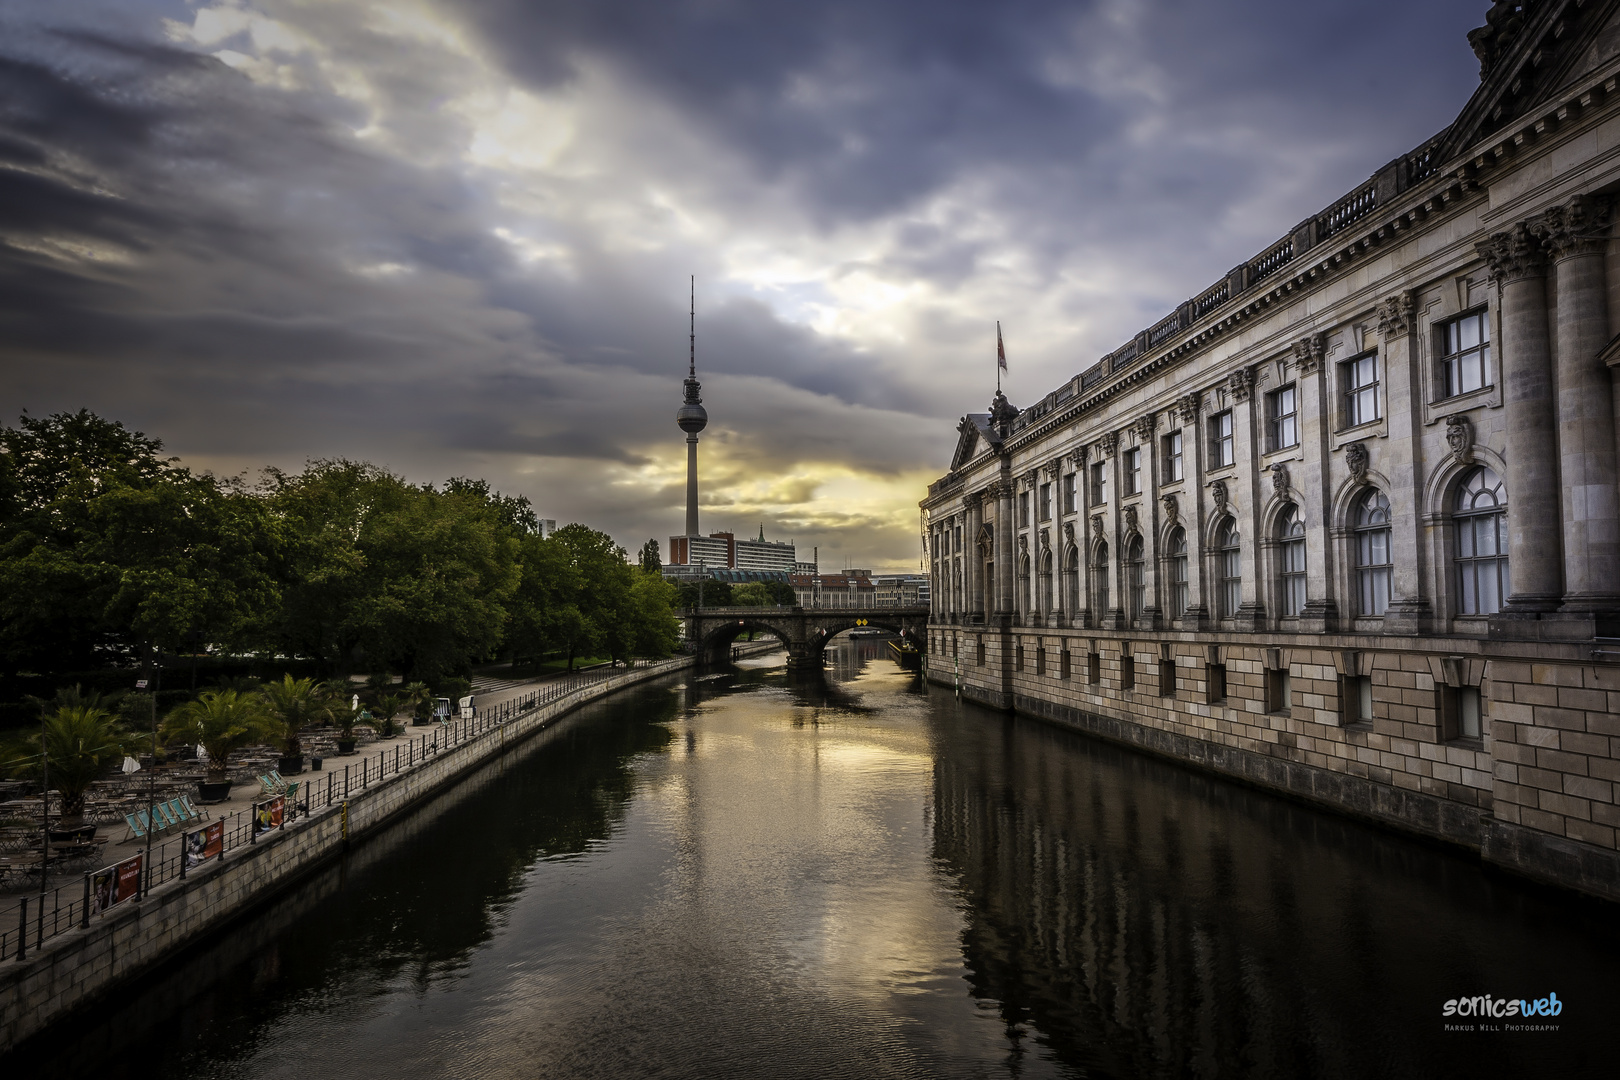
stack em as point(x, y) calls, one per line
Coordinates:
point(1346, 523)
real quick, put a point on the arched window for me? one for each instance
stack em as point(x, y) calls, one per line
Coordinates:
point(1178, 572)
point(1023, 583)
point(1099, 578)
point(1071, 581)
point(1291, 559)
point(1229, 567)
point(1046, 580)
point(1134, 577)
point(1480, 519)
point(1373, 567)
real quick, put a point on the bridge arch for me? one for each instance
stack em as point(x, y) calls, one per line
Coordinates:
point(805, 632)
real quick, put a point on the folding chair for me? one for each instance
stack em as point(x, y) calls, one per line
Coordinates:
point(161, 812)
point(178, 809)
point(137, 830)
point(266, 786)
point(196, 814)
point(275, 778)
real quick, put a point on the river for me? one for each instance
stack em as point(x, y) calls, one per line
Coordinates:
point(738, 875)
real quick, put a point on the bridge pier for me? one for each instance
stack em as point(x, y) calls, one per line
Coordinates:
point(805, 632)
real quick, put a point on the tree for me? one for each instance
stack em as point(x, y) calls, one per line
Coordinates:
point(78, 742)
point(603, 595)
point(295, 704)
point(655, 630)
point(651, 561)
point(221, 722)
point(750, 594)
point(713, 594)
point(544, 609)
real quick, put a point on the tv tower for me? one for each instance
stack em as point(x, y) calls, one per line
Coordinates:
point(692, 417)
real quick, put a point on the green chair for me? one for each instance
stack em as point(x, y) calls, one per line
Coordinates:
point(137, 829)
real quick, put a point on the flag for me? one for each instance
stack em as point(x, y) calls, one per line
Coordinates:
point(1001, 350)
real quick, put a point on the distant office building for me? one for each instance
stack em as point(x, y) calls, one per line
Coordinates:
point(901, 590)
point(724, 550)
point(547, 527)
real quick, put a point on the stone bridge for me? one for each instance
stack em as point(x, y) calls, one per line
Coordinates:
point(805, 631)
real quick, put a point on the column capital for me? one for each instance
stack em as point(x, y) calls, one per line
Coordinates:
point(1395, 315)
point(1308, 352)
point(1513, 255)
point(1109, 443)
point(1187, 406)
point(1241, 383)
point(1145, 425)
point(1579, 227)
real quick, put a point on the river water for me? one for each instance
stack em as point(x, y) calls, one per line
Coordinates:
point(738, 875)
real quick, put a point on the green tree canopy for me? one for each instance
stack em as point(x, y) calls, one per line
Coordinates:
point(221, 722)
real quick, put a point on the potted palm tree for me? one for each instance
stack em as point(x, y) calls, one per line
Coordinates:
point(420, 700)
point(294, 704)
point(221, 722)
point(383, 713)
point(78, 742)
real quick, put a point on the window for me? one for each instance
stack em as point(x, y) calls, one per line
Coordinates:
point(1214, 683)
point(1465, 347)
point(1358, 699)
point(959, 538)
point(1373, 553)
point(1063, 664)
point(1099, 579)
point(1359, 377)
point(1023, 509)
point(1229, 567)
point(1279, 690)
point(1133, 472)
point(1220, 439)
point(1459, 712)
point(1040, 659)
point(1178, 572)
point(1134, 576)
point(1127, 671)
point(1291, 559)
point(978, 650)
point(1282, 418)
point(1099, 483)
point(1172, 458)
point(1046, 502)
point(1018, 657)
point(1094, 666)
point(1167, 674)
point(1069, 483)
point(1480, 519)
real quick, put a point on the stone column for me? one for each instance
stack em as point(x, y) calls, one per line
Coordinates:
point(1006, 554)
point(1576, 235)
point(1245, 484)
point(1533, 491)
point(1189, 407)
point(1401, 459)
point(1148, 520)
point(1114, 617)
point(1314, 482)
point(972, 567)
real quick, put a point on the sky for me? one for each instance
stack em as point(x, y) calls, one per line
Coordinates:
point(454, 237)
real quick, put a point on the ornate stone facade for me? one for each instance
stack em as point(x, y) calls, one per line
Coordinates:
point(1378, 535)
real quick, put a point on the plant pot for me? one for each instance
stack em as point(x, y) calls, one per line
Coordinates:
point(346, 746)
point(420, 721)
point(72, 834)
point(213, 793)
point(292, 766)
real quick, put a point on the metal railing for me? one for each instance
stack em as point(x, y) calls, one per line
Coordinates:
point(38, 917)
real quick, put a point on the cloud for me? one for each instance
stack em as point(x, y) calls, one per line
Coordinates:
point(454, 238)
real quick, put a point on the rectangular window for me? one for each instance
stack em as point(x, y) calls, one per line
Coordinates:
point(1359, 378)
point(1220, 439)
point(1046, 502)
point(1127, 671)
point(1215, 683)
point(1093, 667)
point(1459, 712)
point(1358, 699)
point(1040, 659)
point(1167, 677)
point(1133, 472)
point(1069, 483)
point(1099, 483)
point(1282, 418)
point(978, 651)
point(1063, 664)
point(1023, 509)
point(1018, 658)
point(1465, 353)
point(1172, 457)
point(1278, 690)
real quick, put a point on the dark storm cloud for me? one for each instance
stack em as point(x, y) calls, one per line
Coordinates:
point(273, 265)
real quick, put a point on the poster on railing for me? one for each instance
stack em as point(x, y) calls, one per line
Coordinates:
point(115, 884)
point(204, 844)
point(267, 815)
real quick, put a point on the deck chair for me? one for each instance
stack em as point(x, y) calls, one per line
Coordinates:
point(137, 829)
point(140, 816)
point(292, 791)
point(196, 814)
point(178, 809)
point(160, 812)
point(266, 786)
point(275, 778)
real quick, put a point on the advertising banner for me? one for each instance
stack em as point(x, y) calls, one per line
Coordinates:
point(204, 844)
point(115, 884)
point(267, 815)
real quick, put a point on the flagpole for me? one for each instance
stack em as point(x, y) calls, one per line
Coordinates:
point(998, 356)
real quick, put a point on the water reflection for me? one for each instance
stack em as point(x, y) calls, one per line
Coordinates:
point(749, 875)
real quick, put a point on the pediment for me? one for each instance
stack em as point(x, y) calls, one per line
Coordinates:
point(1552, 44)
point(971, 433)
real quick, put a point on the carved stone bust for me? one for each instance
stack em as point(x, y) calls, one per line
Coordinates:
point(1460, 437)
point(1355, 459)
point(1217, 492)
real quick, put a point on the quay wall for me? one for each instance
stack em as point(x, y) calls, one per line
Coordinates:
point(74, 969)
point(1535, 794)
